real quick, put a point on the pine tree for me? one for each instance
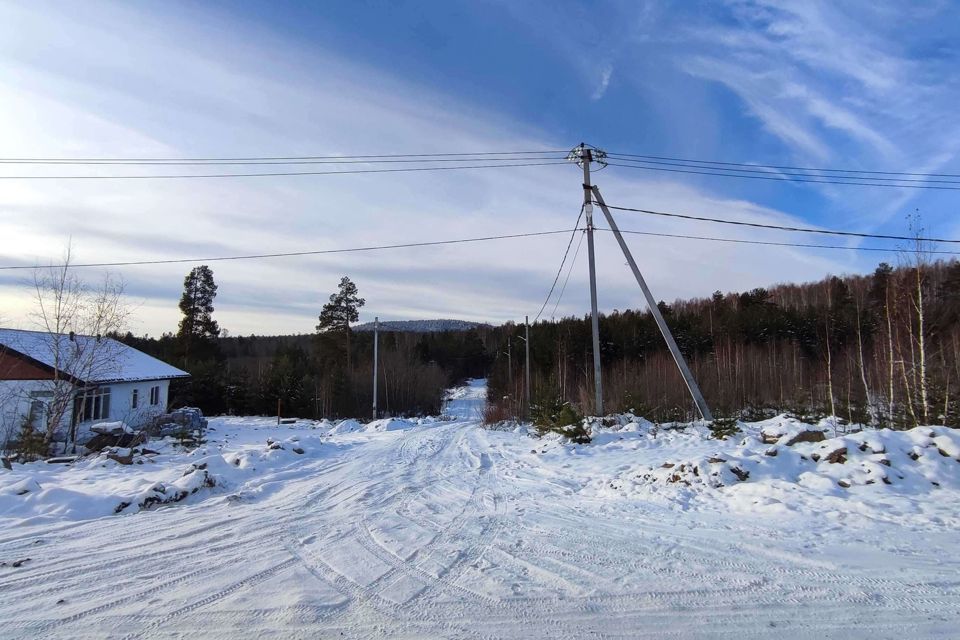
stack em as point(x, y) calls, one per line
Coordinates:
point(342, 309)
point(197, 329)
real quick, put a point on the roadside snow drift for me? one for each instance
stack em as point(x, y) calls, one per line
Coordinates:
point(159, 474)
point(911, 462)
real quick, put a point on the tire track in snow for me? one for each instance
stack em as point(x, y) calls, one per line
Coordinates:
point(913, 596)
point(219, 594)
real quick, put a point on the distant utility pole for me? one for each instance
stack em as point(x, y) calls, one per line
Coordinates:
point(526, 340)
point(510, 364)
point(376, 343)
point(584, 156)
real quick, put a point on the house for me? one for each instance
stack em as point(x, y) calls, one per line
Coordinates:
point(77, 381)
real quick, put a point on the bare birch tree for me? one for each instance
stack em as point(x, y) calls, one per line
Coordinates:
point(76, 316)
point(919, 261)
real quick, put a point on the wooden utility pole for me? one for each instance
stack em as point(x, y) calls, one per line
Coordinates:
point(510, 368)
point(526, 341)
point(585, 155)
point(376, 344)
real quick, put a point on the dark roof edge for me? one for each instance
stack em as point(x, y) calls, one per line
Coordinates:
point(146, 379)
point(42, 365)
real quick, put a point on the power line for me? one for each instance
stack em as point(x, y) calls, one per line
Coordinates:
point(787, 167)
point(279, 173)
point(573, 234)
point(294, 158)
point(771, 243)
point(567, 279)
point(777, 172)
point(297, 253)
point(781, 179)
point(254, 163)
point(832, 232)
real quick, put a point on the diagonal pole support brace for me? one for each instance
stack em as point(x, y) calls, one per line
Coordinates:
point(655, 311)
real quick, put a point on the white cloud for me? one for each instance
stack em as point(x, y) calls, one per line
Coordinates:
point(754, 88)
point(601, 89)
point(839, 85)
point(161, 89)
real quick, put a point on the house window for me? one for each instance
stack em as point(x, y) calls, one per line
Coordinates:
point(38, 414)
point(39, 408)
point(93, 404)
point(155, 395)
point(135, 398)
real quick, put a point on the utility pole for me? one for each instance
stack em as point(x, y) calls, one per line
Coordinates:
point(510, 363)
point(509, 354)
point(376, 343)
point(526, 340)
point(584, 156)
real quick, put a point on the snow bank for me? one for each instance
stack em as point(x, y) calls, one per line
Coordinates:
point(918, 460)
point(346, 426)
point(124, 481)
point(389, 424)
point(774, 455)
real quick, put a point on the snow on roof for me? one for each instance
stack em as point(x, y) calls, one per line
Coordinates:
point(88, 358)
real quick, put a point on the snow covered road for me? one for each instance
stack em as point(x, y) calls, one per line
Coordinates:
point(450, 530)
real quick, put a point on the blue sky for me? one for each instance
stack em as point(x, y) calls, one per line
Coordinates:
point(852, 85)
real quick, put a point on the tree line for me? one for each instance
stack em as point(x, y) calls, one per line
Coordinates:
point(881, 349)
point(327, 373)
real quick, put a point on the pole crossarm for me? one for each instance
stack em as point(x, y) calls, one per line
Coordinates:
point(691, 383)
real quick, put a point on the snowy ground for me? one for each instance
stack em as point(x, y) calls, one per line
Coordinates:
point(445, 529)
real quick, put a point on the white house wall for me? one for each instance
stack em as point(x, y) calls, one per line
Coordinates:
point(17, 395)
point(121, 405)
point(15, 399)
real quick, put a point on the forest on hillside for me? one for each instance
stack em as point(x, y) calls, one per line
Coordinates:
point(879, 349)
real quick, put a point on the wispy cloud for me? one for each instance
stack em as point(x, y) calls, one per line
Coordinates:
point(151, 85)
point(849, 84)
point(601, 89)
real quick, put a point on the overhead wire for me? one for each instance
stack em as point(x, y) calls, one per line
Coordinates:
point(727, 173)
point(278, 161)
point(770, 242)
point(777, 172)
point(573, 234)
point(761, 225)
point(274, 173)
point(294, 253)
point(294, 158)
point(573, 263)
point(786, 167)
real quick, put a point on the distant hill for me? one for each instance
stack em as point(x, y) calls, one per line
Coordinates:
point(421, 326)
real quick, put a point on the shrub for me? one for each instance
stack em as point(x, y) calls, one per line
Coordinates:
point(566, 421)
point(806, 415)
point(30, 443)
point(188, 438)
point(751, 413)
point(724, 427)
point(495, 414)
